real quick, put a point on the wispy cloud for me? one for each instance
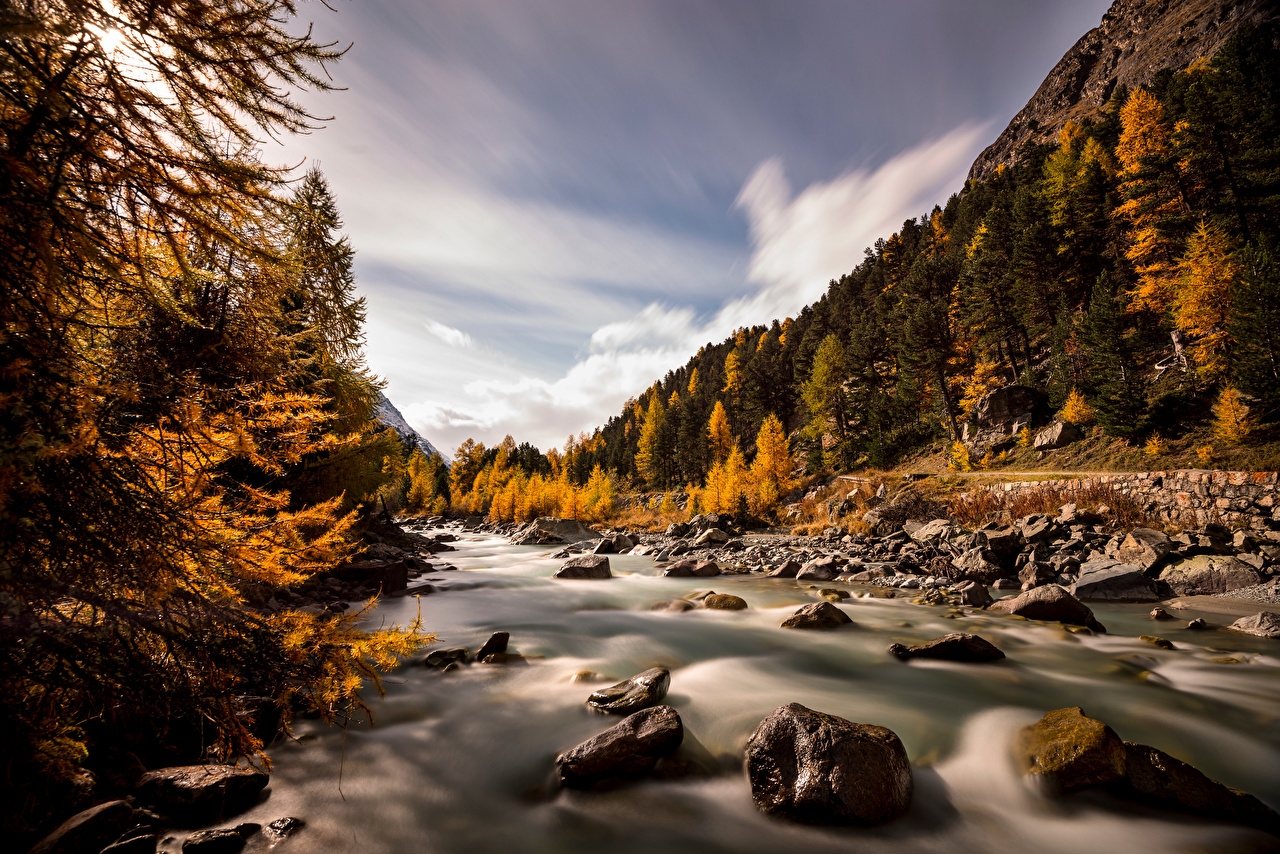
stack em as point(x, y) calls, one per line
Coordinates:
point(447, 334)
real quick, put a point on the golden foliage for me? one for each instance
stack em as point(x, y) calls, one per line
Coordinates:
point(648, 463)
point(1206, 274)
point(958, 458)
point(987, 376)
point(1155, 447)
point(722, 443)
point(1076, 410)
point(1231, 418)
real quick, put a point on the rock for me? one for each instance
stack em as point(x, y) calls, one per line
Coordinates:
point(824, 568)
point(284, 826)
point(1070, 751)
point(1034, 573)
point(90, 831)
point(1264, 625)
point(551, 531)
point(692, 569)
point(821, 769)
point(200, 794)
point(974, 595)
point(957, 646)
point(1160, 614)
point(1037, 528)
point(870, 574)
point(724, 602)
point(1207, 574)
point(1059, 434)
point(1144, 548)
point(389, 576)
point(711, 537)
point(677, 530)
point(819, 615)
point(496, 643)
point(628, 749)
point(1157, 642)
point(1051, 603)
point(1004, 542)
point(935, 531)
point(1006, 584)
point(444, 657)
point(1197, 624)
point(214, 842)
point(787, 569)
point(1156, 777)
point(631, 695)
point(1104, 579)
point(978, 565)
point(1004, 407)
point(604, 547)
point(585, 566)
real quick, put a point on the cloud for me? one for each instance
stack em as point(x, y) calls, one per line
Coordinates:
point(447, 334)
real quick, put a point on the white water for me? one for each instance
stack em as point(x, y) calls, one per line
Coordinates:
point(462, 762)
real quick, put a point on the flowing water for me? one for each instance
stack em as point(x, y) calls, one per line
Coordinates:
point(463, 761)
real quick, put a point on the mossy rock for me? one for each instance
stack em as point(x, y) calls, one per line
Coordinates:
point(1071, 751)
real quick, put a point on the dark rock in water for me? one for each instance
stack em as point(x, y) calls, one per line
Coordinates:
point(631, 695)
point(974, 595)
point(692, 569)
point(496, 643)
point(1145, 548)
point(819, 615)
point(200, 794)
point(1198, 624)
point(444, 657)
point(821, 769)
point(628, 749)
point(1160, 614)
point(90, 830)
point(980, 565)
point(585, 566)
point(285, 826)
point(1051, 603)
point(724, 602)
point(1264, 625)
point(1156, 777)
point(787, 569)
point(1107, 580)
point(819, 569)
point(503, 658)
point(957, 646)
point(219, 841)
point(1209, 574)
point(1070, 751)
point(551, 531)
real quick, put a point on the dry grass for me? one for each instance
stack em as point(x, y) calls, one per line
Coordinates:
point(980, 506)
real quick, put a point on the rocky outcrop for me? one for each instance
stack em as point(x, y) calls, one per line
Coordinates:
point(631, 695)
point(821, 769)
point(1264, 625)
point(1057, 435)
point(999, 415)
point(627, 750)
point(1050, 603)
point(957, 646)
point(1107, 580)
point(819, 615)
point(1136, 39)
point(1208, 574)
point(586, 566)
point(200, 794)
point(549, 530)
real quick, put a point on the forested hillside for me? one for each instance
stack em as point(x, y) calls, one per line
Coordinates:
point(1128, 272)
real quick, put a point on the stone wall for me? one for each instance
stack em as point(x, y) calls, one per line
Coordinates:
point(1188, 497)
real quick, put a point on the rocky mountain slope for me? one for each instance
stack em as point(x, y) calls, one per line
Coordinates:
point(386, 412)
point(1136, 39)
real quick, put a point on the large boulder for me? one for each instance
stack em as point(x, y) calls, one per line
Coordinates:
point(724, 602)
point(1051, 603)
point(1107, 580)
point(551, 531)
point(1070, 751)
point(692, 569)
point(1207, 574)
point(1006, 407)
point(1059, 434)
point(935, 531)
point(585, 566)
point(1156, 777)
point(819, 615)
point(631, 695)
point(1145, 548)
point(90, 831)
point(980, 565)
point(200, 794)
point(786, 569)
point(711, 537)
point(956, 646)
point(823, 568)
point(821, 769)
point(973, 594)
point(1264, 625)
point(628, 749)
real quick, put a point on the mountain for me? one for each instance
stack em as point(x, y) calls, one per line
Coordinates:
point(385, 411)
point(1136, 39)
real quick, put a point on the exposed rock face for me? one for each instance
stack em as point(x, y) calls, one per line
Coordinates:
point(1071, 751)
point(551, 531)
point(822, 769)
point(1209, 574)
point(628, 749)
point(88, 831)
point(1049, 602)
point(957, 646)
point(819, 615)
point(586, 566)
point(998, 416)
point(631, 695)
point(1264, 625)
point(1104, 579)
point(1136, 39)
point(1057, 435)
point(724, 602)
point(200, 794)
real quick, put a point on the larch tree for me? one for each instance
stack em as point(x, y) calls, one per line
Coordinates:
point(1202, 301)
point(719, 434)
point(650, 464)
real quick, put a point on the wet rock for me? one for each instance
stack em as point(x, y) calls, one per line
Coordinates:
point(724, 602)
point(831, 594)
point(90, 831)
point(284, 826)
point(552, 531)
point(1070, 751)
point(692, 569)
point(1160, 614)
point(1145, 548)
point(440, 658)
point(631, 695)
point(1157, 642)
point(821, 769)
point(786, 569)
point(1264, 625)
point(824, 568)
point(956, 646)
point(1059, 434)
point(978, 565)
point(222, 841)
point(585, 566)
point(711, 537)
point(502, 658)
point(974, 594)
point(628, 749)
point(496, 643)
point(1207, 574)
point(200, 794)
point(1156, 777)
point(1197, 624)
point(819, 615)
point(1105, 579)
point(1051, 603)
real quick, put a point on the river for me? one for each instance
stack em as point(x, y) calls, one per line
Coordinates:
point(463, 761)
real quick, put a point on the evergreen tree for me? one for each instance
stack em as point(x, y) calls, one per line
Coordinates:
point(1254, 325)
point(1118, 392)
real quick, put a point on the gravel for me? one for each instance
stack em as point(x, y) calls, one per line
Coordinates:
point(1267, 592)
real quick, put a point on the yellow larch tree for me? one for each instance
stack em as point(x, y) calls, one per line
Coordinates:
point(1202, 300)
point(771, 470)
point(648, 455)
point(719, 434)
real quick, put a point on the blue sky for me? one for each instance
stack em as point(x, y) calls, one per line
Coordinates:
point(554, 202)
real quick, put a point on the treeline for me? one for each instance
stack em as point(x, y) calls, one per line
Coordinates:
point(1131, 269)
point(186, 421)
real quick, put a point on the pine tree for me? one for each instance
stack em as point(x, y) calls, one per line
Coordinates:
point(823, 392)
point(1254, 325)
point(1117, 389)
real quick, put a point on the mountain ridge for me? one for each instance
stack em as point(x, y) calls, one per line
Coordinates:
point(385, 412)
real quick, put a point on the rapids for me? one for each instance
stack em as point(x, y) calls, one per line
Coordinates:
point(463, 762)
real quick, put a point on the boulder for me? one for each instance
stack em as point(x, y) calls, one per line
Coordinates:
point(90, 831)
point(711, 537)
point(1207, 574)
point(1004, 542)
point(692, 569)
point(824, 568)
point(978, 565)
point(956, 646)
point(631, 695)
point(821, 769)
point(1051, 603)
point(497, 643)
point(1059, 434)
point(938, 530)
point(1156, 777)
point(1037, 528)
point(787, 569)
point(870, 574)
point(974, 595)
point(604, 547)
point(1034, 573)
point(1264, 625)
point(1107, 580)
point(1071, 752)
point(724, 602)
point(439, 658)
point(1006, 407)
point(677, 529)
point(551, 531)
point(628, 749)
point(819, 615)
point(1145, 548)
point(200, 794)
point(220, 841)
point(585, 566)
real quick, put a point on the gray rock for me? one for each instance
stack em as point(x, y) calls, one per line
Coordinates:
point(1034, 573)
point(824, 568)
point(1145, 548)
point(956, 646)
point(284, 826)
point(978, 565)
point(821, 769)
point(628, 749)
point(631, 695)
point(550, 531)
point(786, 569)
point(1059, 434)
point(604, 547)
point(1104, 579)
point(1050, 603)
point(200, 794)
point(819, 615)
point(1206, 574)
point(692, 569)
point(711, 536)
point(974, 595)
point(90, 831)
point(938, 530)
point(1264, 625)
point(1037, 528)
point(585, 566)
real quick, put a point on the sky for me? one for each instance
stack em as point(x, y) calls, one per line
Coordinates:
point(555, 202)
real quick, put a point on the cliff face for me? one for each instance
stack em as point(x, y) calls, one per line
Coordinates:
point(386, 412)
point(1136, 39)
